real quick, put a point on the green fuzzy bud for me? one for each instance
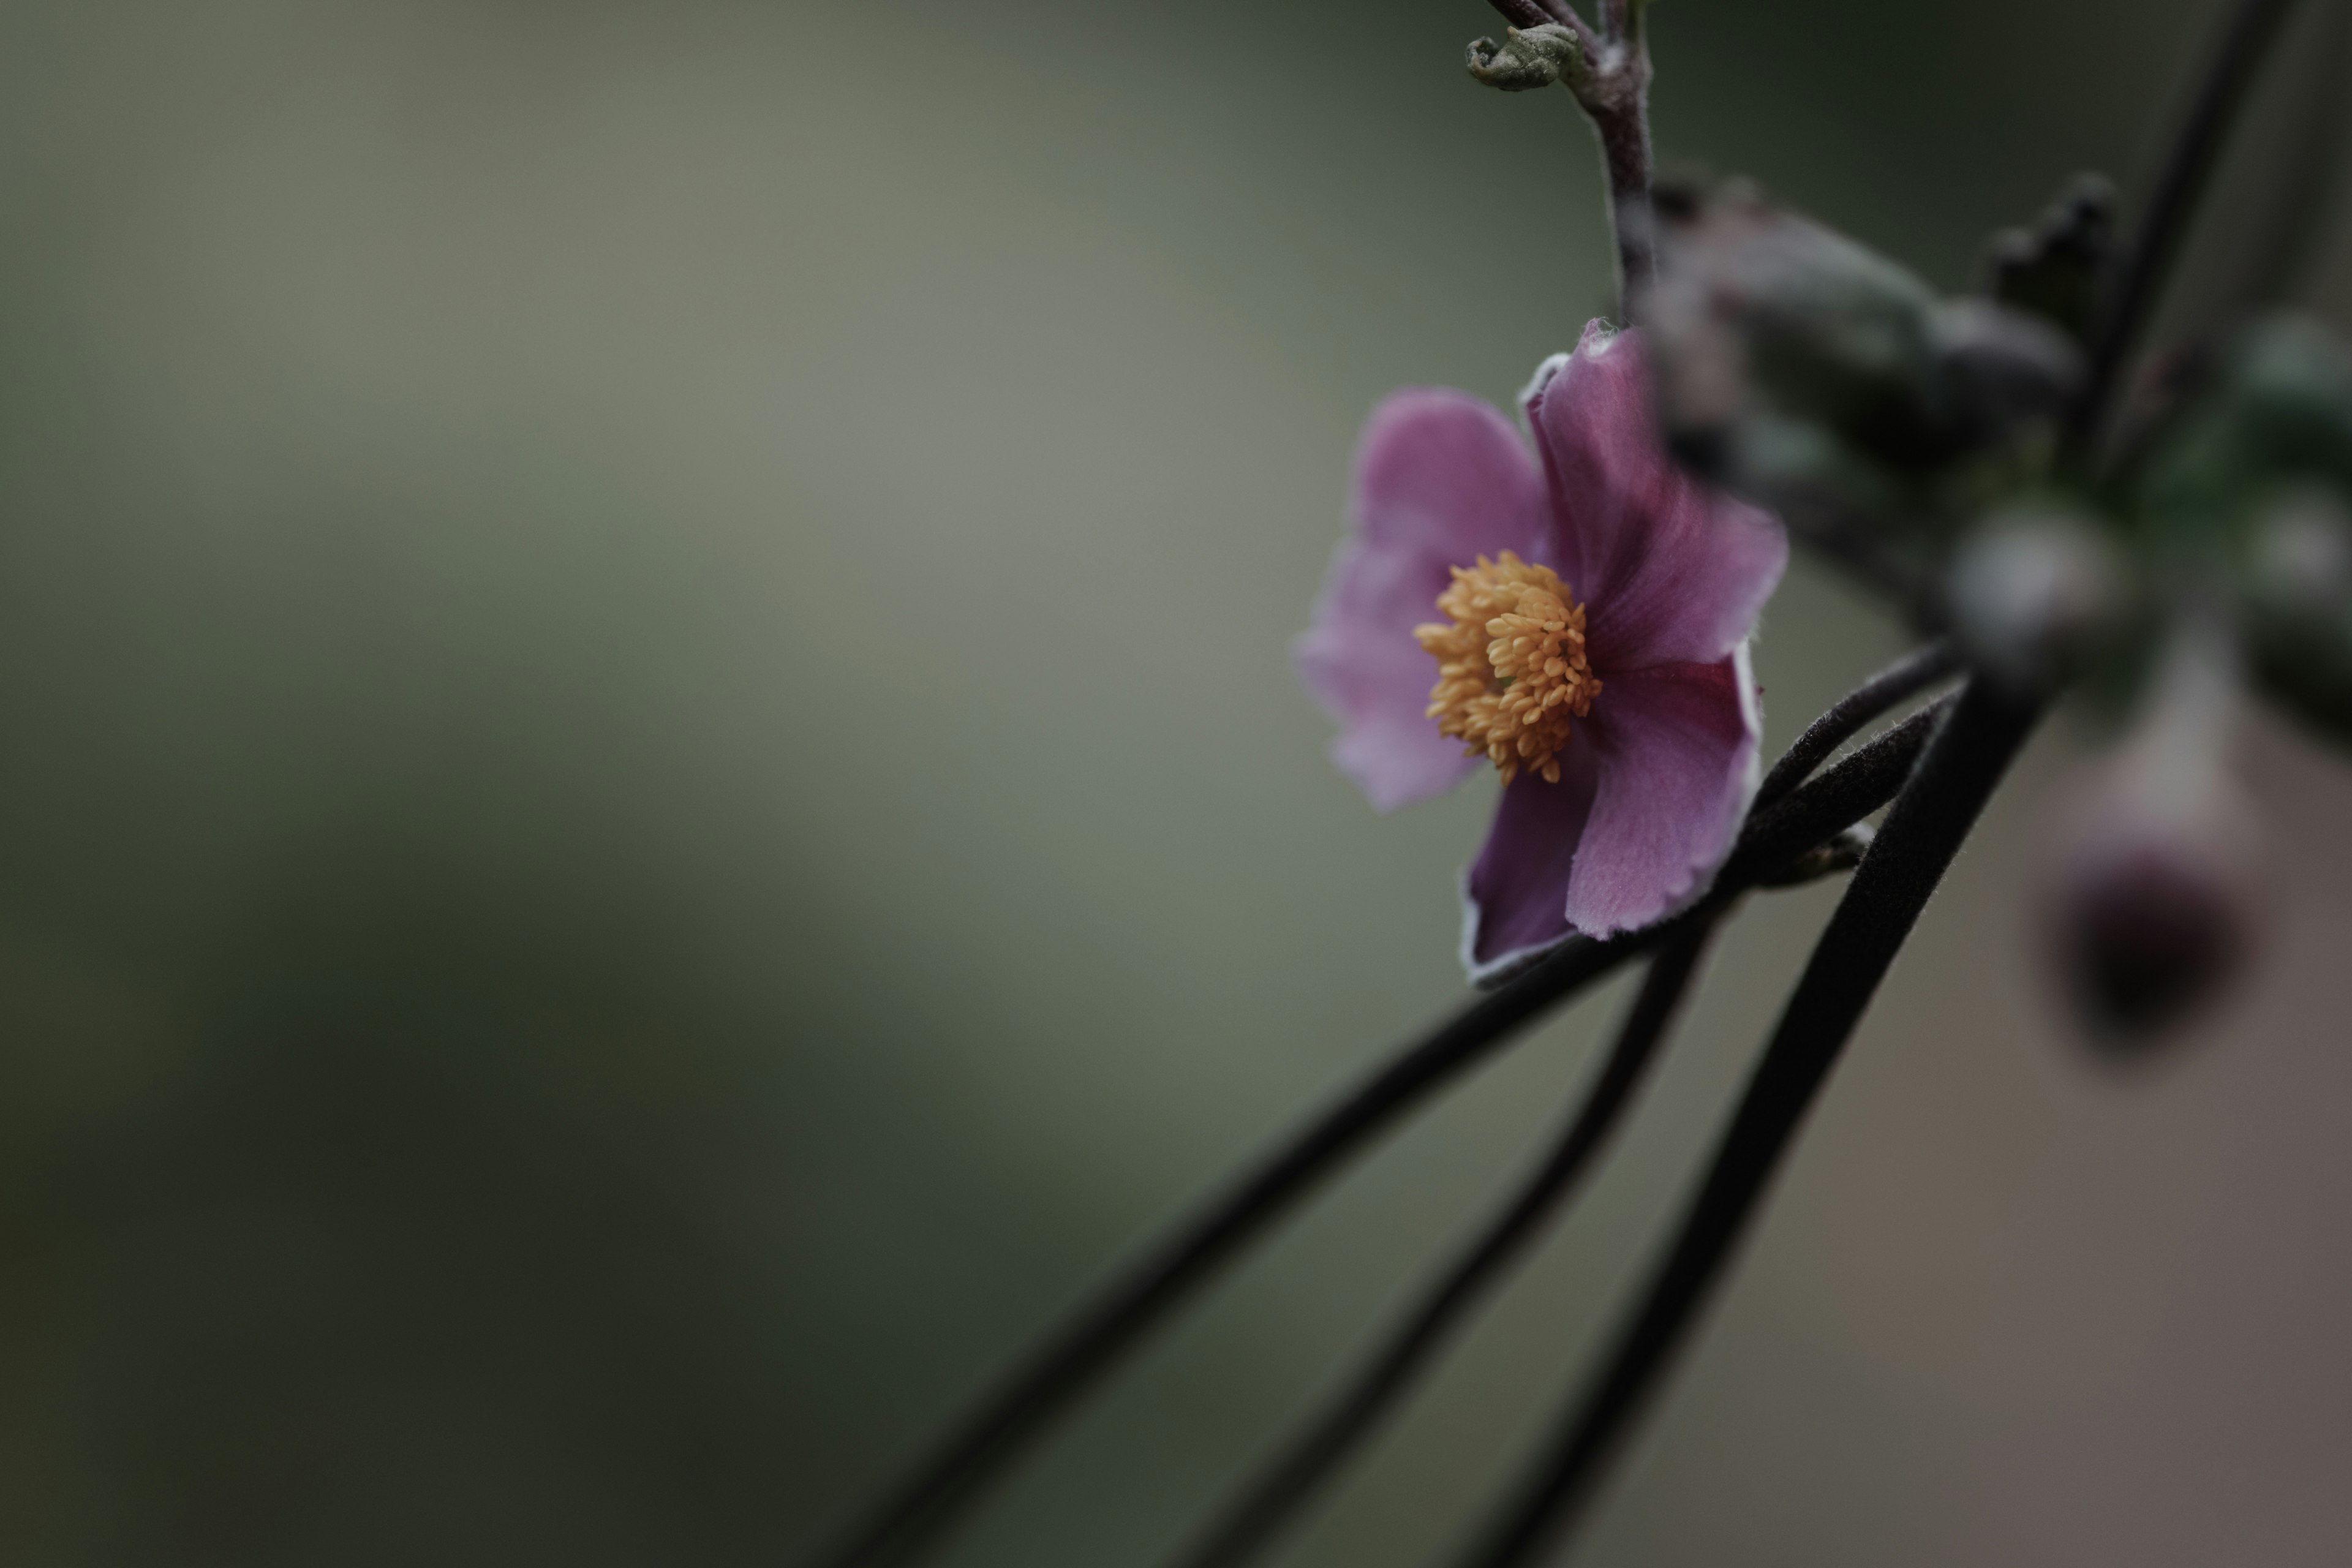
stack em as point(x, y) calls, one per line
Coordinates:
point(1529, 58)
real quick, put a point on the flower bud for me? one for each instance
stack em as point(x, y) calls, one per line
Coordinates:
point(2058, 269)
point(2293, 381)
point(2299, 556)
point(2151, 901)
point(2274, 414)
point(1757, 310)
point(1527, 58)
point(2035, 594)
point(1758, 314)
point(2297, 607)
point(1999, 370)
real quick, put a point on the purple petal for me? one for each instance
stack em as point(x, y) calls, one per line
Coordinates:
point(1669, 570)
point(1677, 763)
point(1440, 479)
point(1515, 900)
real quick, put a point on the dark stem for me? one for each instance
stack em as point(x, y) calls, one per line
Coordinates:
point(1971, 753)
point(1613, 87)
point(1865, 705)
point(1374, 1391)
point(1624, 131)
point(2195, 151)
point(1858, 786)
point(1116, 1319)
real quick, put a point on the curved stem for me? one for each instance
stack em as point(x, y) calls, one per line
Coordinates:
point(1256, 1516)
point(1897, 683)
point(1116, 1319)
point(1967, 759)
point(1971, 753)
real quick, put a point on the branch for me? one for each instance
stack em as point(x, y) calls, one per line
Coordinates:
point(1372, 1393)
point(1610, 81)
point(1115, 1320)
point(1966, 762)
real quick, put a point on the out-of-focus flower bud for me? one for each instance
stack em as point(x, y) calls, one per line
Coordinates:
point(2291, 382)
point(2276, 414)
point(1759, 313)
point(1999, 370)
point(1756, 305)
point(2151, 900)
point(2297, 607)
point(2036, 593)
point(2058, 269)
point(2299, 556)
point(1527, 58)
point(1793, 464)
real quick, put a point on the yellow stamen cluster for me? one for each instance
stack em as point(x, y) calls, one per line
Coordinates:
point(1511, 672)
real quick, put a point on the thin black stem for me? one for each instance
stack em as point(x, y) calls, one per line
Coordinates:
point(1255, 1518)
point(2251, 30)
point(1859, 784)
point(1932, 817)
point(1865, 704)
point(1116, 1319)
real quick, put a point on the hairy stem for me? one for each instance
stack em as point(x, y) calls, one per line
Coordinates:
point(1865, 705)
point(1624, 130)
point(1116, 1319)
point(1932, 817)
point(1376, 1388)
point(1613, 85)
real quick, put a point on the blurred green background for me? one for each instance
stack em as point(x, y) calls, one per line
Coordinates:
point(650, 799)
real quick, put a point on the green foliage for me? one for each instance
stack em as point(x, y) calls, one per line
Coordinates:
point(2277, 417)
point(1529, 58)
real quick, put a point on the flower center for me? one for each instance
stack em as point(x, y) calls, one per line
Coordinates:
point(1511, 671)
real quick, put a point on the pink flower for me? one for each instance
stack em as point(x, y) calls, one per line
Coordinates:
point(1593, 644)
